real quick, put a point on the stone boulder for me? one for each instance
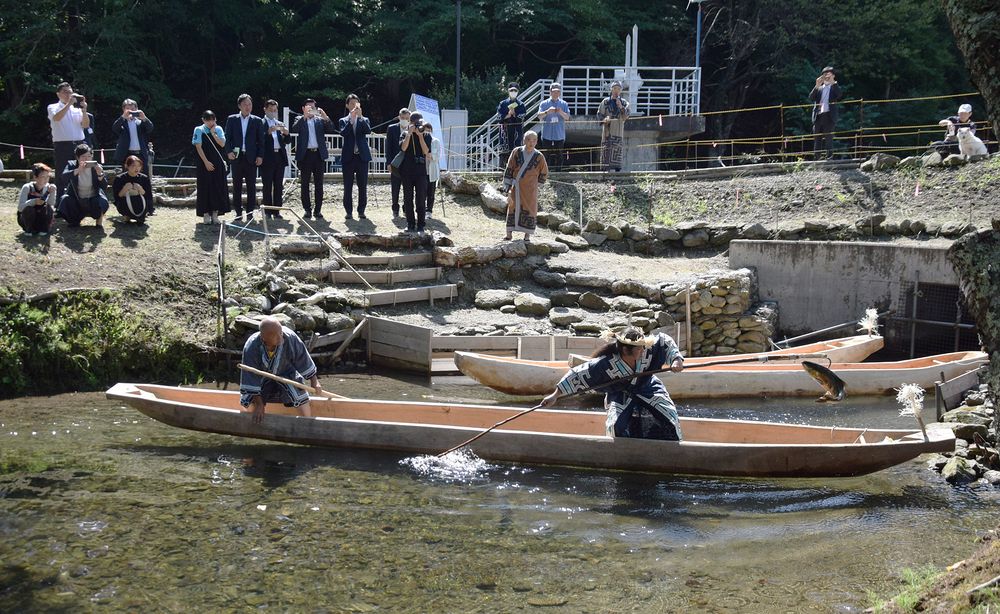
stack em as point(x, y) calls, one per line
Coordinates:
point(569, 228)
point(614, 233)
point(339, 321)
point(544, 248)
point(595, 238)
point(880, 162)
point(958, 471)
point(300, 247)
point(931, 159)
point(755, 231)
point(485, 255)
point(910, 162)
point(588, 281)
point(692, 225)
point(696, 238)
point(549, 279)
point(492, 199)
point(662, 233)
point(573, 241)
point(633, 287)
point(594, 301)
point(531, 304)
point(564, 316)
point(594, 226)
point(458, 184)
point(514, 249)
point(556, 219)
point(638, 234)
point(565, 298)
point(494, 299)
point(954, 160)
point(629, 304)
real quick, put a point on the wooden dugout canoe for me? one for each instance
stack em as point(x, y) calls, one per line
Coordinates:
point(537, 377)
point(740, 380)
point(546, 437)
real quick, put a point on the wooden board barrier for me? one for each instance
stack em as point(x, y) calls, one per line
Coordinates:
point(398, 345)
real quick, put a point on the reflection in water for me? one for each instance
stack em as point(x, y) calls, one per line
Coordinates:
point(135, 515)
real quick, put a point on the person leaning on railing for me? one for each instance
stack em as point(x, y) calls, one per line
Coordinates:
point(36, 202)
point(949, 144)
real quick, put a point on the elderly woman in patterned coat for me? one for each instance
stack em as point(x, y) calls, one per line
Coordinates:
point(526, 170)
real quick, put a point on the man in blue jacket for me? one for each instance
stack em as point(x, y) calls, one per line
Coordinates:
point(245, 150)
point(355, 156)
point(311, 153)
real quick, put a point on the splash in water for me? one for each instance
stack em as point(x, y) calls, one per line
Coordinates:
point(869, 323)
point(458, 466)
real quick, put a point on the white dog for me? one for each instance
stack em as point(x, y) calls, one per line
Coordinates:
point(969, 144)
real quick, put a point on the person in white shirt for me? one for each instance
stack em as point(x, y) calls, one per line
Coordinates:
point(433, 167)
point(272, 171)
point(68, 119)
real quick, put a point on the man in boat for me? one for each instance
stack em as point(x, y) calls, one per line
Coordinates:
point(279, 351)
point(638, 407)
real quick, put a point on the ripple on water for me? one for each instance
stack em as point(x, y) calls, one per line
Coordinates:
point(459, 466)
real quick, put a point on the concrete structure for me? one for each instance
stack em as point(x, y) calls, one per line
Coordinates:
point(823, 283)
point(641, 137)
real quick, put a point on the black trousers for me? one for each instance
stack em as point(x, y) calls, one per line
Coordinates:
point(431, 189)
point(395, 182)
point(355, 170)
point(35, 218)
point(272, 175)
point(553, 153)
point(823, 134)
point(63, 152)
point(311, 168)
point(244, 171)
point(414, 193)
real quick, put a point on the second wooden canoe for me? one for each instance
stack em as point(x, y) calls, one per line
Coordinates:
point(519, 378)
point(538, 377)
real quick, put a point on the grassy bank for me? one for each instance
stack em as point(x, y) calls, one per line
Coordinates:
point(83, 341)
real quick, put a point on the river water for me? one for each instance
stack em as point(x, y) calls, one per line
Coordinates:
point(111, 510)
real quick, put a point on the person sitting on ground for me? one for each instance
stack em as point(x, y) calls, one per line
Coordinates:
point(35, 204)
point(84, 195)
point(279, 351)
point(133, 192)
point(638, 407)
point(949, 144)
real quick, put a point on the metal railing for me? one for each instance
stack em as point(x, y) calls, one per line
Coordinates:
point(485, 146)
point(651, 90)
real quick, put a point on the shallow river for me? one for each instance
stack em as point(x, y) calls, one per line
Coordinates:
point(135, 515)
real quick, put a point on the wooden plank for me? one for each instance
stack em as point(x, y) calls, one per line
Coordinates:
point(464, 343)
point(411, 295)
point(399, 260)
point(412, 342)
point(583, 343)
point(535, 347)
point(953, 389)
point(399, 328)
point(415, 357)
point(386, 277)
point(399, 365)
point(329, 339)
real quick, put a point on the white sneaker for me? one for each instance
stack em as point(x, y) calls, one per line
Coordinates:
point(43, 234)
point(215, 218)
point(206, 219)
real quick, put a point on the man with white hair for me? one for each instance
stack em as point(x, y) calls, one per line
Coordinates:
point(279, 351)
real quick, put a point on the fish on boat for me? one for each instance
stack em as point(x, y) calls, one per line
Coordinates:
point(750, 379)
point(546, 437)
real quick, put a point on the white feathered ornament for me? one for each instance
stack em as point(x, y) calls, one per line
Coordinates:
point(911, 397)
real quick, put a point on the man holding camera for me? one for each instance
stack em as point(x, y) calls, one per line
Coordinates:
point(393, 135)
point(245, 149)
point(132, 129)
point(824, 95)
point(355, 156)
point(68, 119)
point(311, 153)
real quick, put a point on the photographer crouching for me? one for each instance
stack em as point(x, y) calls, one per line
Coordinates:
point(84, 195)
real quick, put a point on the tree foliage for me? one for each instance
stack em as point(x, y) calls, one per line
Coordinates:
point(180, 57)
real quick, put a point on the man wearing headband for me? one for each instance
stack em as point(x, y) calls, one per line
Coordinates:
point(637, 407)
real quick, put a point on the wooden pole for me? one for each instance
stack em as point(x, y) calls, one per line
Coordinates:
point(291, 382)
point(354, 334)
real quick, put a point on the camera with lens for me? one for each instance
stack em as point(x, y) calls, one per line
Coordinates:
point(133, 113)
point(77, 99)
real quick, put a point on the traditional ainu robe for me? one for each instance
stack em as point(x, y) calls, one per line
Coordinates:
point(613, 132)
point(290, 360)
point(523, 175)
point(640, 407)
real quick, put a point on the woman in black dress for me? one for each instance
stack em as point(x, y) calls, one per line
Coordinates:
point(133, 191)
point(213, 192)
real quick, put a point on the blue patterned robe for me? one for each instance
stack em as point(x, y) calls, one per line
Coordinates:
point(291, 361)
point(639, 407)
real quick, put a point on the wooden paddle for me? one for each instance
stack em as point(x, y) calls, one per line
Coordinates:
point(291, 382)
point(836, 381)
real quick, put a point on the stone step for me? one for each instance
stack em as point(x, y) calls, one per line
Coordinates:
point(389, 278)
point(412, 295)
point(398, 260)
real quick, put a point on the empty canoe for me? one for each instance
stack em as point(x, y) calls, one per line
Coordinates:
point(546, 437)
point(533, 378)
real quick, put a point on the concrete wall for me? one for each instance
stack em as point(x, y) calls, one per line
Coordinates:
point(823, 283)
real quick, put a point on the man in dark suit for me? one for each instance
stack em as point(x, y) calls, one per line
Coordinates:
point(825, 95)
point(272, 171)
point(311, 153)
point(355, 156)
point(132, 129)
point(245, 148)
point(393, 136)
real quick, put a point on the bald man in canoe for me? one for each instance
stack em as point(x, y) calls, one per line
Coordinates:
point(638, 407)
point(279, 351)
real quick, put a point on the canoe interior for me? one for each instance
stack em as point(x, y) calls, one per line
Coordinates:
point(478, 417)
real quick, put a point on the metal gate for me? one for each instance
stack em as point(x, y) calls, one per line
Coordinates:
point(930, 319)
